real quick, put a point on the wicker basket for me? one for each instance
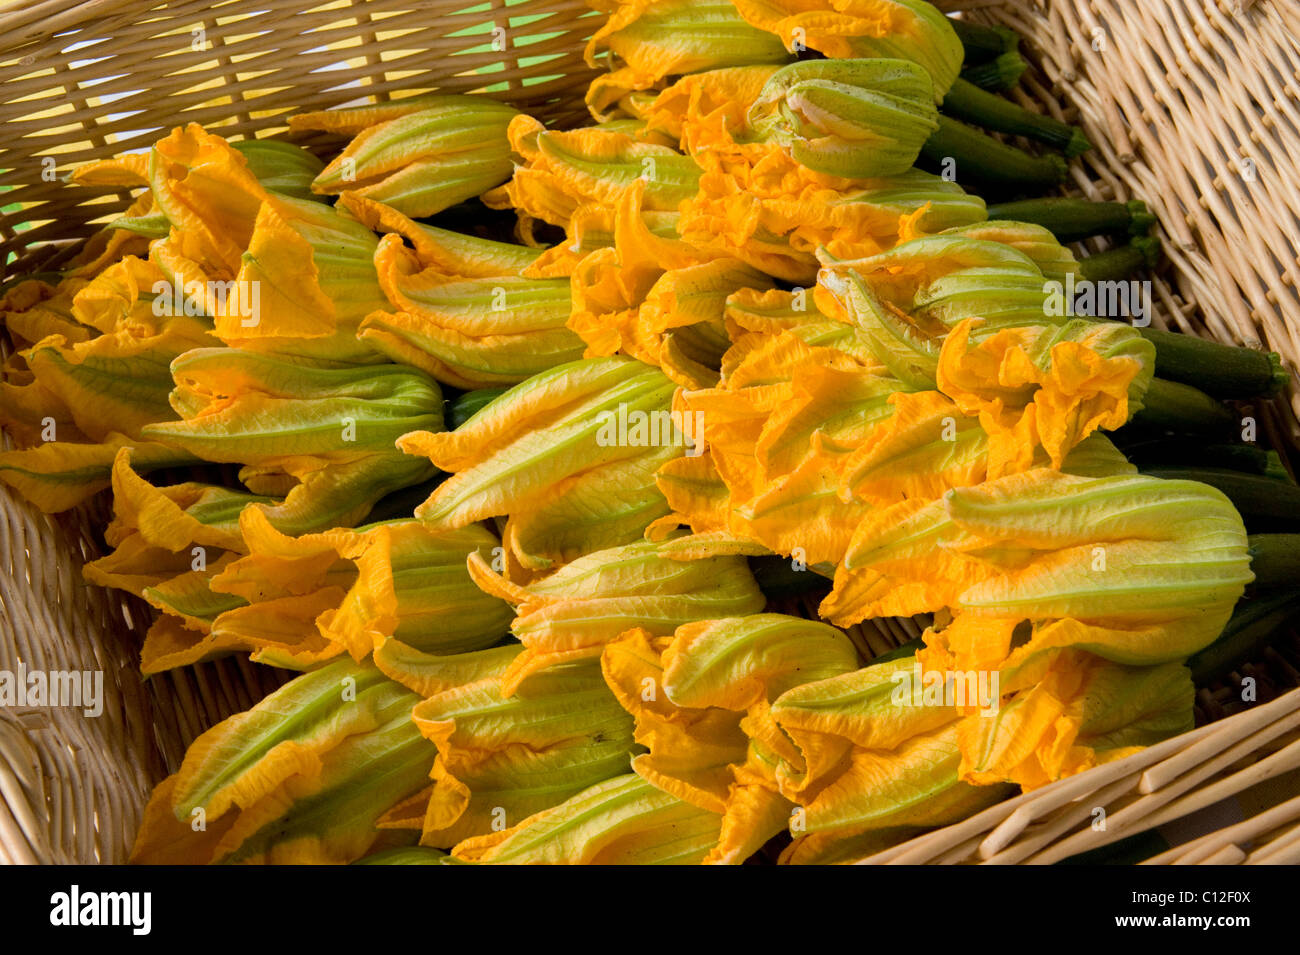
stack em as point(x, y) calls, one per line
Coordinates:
point(1193, 108)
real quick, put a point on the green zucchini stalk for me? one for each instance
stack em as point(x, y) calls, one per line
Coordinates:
point(1263, 502)
point(899, 652)
point(1275, 559)
point(778, 579)
point(997, 75)
point(1253, 626)
point(968, 102)
point(1121, 261)
point(1223, 371)
point(982, 158)
point(464, 406)
point(1073, 219)
point(982, 43)
point(1172, 406)
point(1184, 451)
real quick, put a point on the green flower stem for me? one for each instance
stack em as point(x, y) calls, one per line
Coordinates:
point(1253, 626)
point(1263, 502)
point(981, 158)
point(1121, 261)
point(999, 74)
point(1171, 406)
point(1223, 371)
point(1073, 219)
point(968, 102)
point(982, 43)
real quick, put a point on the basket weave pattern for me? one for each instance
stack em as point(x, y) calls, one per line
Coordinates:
point(1176, 96)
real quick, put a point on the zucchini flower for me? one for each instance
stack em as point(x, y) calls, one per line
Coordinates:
point(272, 271)
point(783, 413)
point(994, 271)
point(728, 93)
point(419, 155)
point(171, 543)
point(1101, 563)
point(91, 388)
point(1047, 386)
point(451, 255)
point(59, 475)
point(848, 29)
point(107, 370)
point(321, 437)
point(574, 612)
point(777, 217)
point(281, 167)
point(711, 738)
point(247, 407)
point(302, 777)
point(657, 299)
point(500, 760)
point(571, 451)
point(621, 821)
point(877, 755)
point(592, 228)
point(1071, 711)
point(1032, 382)
point(302, 287)
point(354, 590)
point(476, 333)
point(565, 170)
point(646, 41)
point(34, 309)
point(160, 532)
point(852, 119)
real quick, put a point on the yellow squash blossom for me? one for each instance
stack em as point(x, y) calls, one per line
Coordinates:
point(418, 160)
point(646, 41)
point(301, 777)
point(502, 759)
point(579, 442)
point(403, 580)
point(1081, 712)
point(875, 756)
point(245, 407)
point(843, 29)
point(1098, 563)
point(783, 414)
point(160, 532)
point(621, 821)
point(571, 614)
point(656, 299)
point(1048, 386)
point(998, 272)
point(271, 270)
point(59, 475)
point(776, 214)
point(854, 119)
point(564, 170)
point(450, 255)
point(711, 737)
point(684, 104)
point(473, 333)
